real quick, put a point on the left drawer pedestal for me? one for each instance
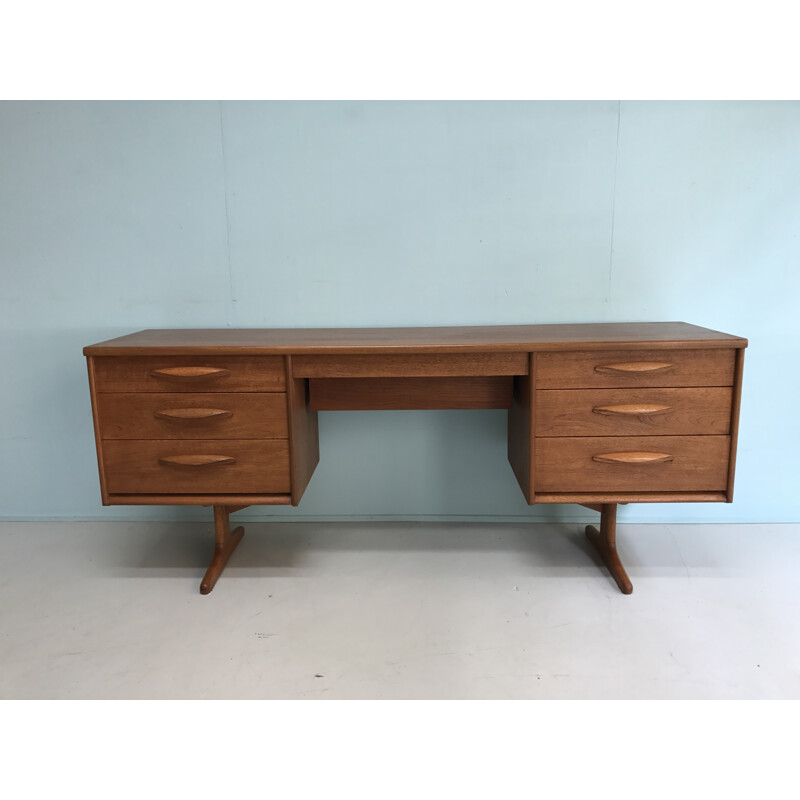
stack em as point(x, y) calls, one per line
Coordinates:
point(192, 427)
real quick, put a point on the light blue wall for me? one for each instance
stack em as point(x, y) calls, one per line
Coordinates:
point(121, 216)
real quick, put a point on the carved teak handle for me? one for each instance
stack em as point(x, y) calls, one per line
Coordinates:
point(189, 373)
point(635, 367)
point(195, 461)
point(191, 414)
point(632, 458)
point(633, 410)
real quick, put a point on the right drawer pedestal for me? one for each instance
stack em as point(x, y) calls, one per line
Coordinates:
point(633, 422)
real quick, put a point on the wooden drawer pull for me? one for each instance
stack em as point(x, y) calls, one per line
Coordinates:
point(189, 373)
point(633, 410)
point(632, 458)
point(191, 414)
point(635, 367)
point(196, 461)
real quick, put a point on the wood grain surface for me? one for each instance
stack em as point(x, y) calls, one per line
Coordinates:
point(698, 464)
point(146, 415)
point(587, 370)
point(135, 465)
point(735, 410)
point(681, 412)
point(520, 430)
point(239, 374)
point(409, 366)
point(519, 338)
point(303, 433)
point(382, 394)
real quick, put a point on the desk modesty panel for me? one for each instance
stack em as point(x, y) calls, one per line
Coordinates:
point(598, 414)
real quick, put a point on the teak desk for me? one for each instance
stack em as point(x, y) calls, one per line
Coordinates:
point(598, 414)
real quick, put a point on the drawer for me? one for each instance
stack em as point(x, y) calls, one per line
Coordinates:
point(632, 368)
point(632, 464)
point(632, 412)
point(196, 467)
point(190, 374)
point(185, 415)
point(409, 366)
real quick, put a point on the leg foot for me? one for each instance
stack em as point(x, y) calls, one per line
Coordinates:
point(226, 541)
point(605, 542)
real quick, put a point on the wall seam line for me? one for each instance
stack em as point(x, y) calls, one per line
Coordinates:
point(227, 214)
point(614, 203)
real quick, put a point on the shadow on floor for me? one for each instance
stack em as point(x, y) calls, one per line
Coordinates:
point(274, 549)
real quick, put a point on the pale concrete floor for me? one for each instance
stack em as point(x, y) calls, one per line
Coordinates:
point(398, 610)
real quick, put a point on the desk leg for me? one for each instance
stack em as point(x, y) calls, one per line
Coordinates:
point(605, 542)
point(226, 542)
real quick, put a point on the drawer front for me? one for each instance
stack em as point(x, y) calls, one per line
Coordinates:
point(190, 374)
point(634, 368)
point(184, 415)
point(196, 467)
point(632, 464)
point(633, 412)
point(408, 366)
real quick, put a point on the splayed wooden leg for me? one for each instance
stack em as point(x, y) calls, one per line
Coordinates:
point(226, 542)
point(605, 542)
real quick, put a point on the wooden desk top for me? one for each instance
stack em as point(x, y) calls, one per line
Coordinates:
point(493, 338)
